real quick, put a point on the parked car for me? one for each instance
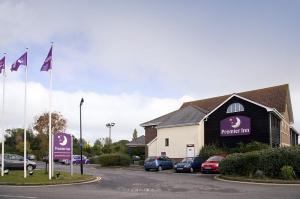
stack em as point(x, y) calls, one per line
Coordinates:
point(31, 157)
point(15, 162)
point(45, 159)
point(211, 165)
point(158, 163)
point(189, 165)
point(77, 159)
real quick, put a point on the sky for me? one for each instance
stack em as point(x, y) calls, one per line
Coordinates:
point(133, 61)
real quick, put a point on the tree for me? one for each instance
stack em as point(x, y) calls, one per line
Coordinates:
point(107, 141)
point(107, 145)
point(135, 134)
point(87, 149)
point(120, 146)
point(58, 123)
point(14, 141)
point(97, 147)
point(20, 147)
point(76, 146)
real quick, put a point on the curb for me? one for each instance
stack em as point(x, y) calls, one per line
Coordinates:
point(96, 179)
point(254, 183)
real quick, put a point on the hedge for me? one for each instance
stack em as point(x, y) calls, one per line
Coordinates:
point(270, 161)
point(208, 151)
point(211, 150)
point(252, 146)
point(114, 159)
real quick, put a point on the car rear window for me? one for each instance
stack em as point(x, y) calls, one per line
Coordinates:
point(150, 159)
point(187, 160)
point(215, 158)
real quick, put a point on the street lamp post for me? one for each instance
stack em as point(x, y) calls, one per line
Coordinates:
point(109, 125)
point(81, 165)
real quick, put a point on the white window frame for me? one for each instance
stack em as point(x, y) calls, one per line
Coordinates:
point(235, 107)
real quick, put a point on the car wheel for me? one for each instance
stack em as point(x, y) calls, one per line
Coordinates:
point(191, 170)
point(146, 169)
point(29, 167)
point(159, 168)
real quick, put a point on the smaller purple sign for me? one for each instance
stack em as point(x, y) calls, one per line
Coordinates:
point(62, 146)
point(235, 125)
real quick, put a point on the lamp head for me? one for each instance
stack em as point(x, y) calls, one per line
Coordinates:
point(110, 124)
point(81, 101)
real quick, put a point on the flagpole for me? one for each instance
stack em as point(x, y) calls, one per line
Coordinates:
point(50, 132)
point(51, 74)
point(51, 173)
point(50, 129)
point(3, 130)
point(25, 106)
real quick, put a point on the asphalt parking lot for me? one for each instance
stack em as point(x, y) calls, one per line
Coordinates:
point(136, 183)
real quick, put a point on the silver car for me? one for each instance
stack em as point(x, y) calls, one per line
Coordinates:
point(14, 161)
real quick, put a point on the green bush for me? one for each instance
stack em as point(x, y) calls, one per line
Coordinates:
point(287, 173)
point(240, 164)
point(211, 150)
point(252, 146)
point(270, 161)
point(114, 159)
point(94, 160)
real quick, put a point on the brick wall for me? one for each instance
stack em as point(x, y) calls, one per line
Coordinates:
point(150, 134)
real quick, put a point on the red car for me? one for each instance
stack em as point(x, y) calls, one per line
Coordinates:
point(211, 165)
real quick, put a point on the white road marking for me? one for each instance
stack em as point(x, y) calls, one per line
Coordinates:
point(9, 196)
point(97, 179)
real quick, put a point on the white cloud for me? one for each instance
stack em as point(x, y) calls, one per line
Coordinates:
point(126, 110)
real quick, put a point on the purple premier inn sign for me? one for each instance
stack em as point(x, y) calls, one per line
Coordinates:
point(62, 146)
point(235, 125)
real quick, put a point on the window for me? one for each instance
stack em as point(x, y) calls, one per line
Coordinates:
point(167, 142)
point(235, 107)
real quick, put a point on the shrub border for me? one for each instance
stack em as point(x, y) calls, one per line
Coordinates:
point(244, 180)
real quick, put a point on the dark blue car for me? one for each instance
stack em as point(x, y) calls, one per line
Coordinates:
point(158, 163)
point(189, 165)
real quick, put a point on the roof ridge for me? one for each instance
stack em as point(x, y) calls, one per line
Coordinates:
point(237, 93)
point(273, 97)
point(260, 89)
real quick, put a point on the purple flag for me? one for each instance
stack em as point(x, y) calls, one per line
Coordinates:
point(48, 61)
point(21, 61)
point(2, 64)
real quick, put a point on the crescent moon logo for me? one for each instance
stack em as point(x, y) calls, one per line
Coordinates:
point(237, 124)
point(64, 142)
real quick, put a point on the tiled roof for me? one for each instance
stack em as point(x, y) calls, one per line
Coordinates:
point(139, 141)
point(274, 97)
point(158, 120)
point(189, 115)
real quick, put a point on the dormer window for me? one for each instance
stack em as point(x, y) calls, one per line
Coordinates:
point(235, 107)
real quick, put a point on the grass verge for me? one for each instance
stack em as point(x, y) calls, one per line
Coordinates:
point(258, 180)
point(39, 177)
